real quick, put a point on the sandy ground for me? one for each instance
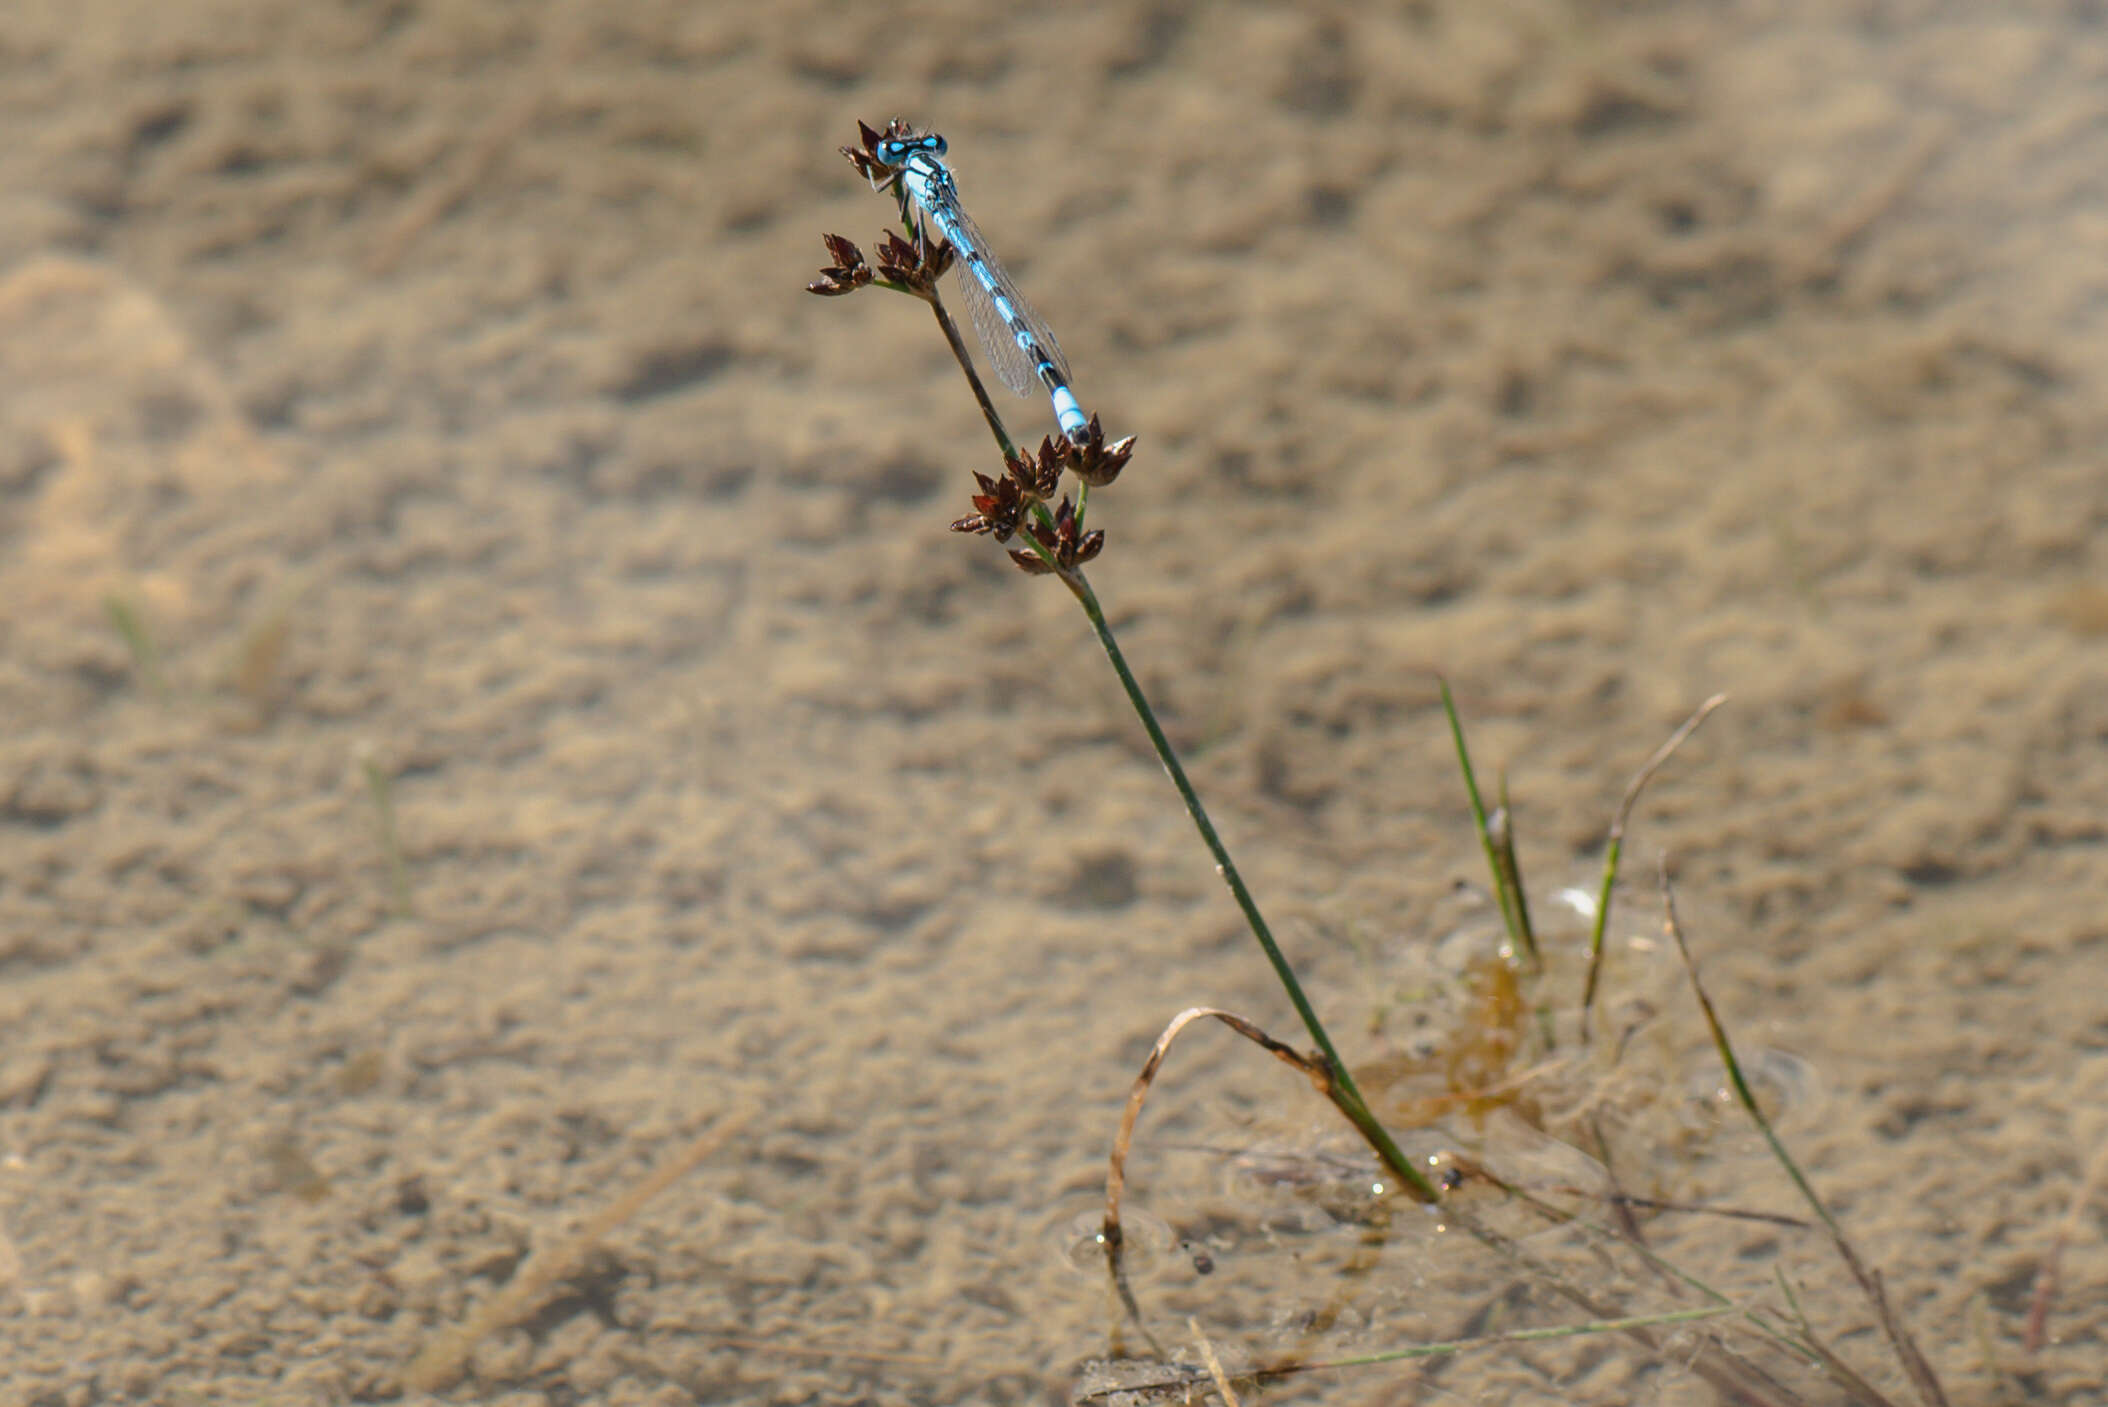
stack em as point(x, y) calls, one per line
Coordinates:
point(429, 390)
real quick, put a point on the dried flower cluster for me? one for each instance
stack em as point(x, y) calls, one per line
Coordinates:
point(1018, 499)
point(911, 265)
point(1002, 506)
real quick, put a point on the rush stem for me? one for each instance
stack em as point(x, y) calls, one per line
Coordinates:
point(1344, 1094)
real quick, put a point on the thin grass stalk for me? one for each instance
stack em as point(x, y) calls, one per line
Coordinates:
point(1268, 1373)
point(1343, 1091)
point(380, 789)
point(1544, 1335)
point(1759, 1323)
point(1841, 1372)
point(131, 624)
point(1913, 1361)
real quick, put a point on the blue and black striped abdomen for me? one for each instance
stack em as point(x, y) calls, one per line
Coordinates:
point(1020, 346)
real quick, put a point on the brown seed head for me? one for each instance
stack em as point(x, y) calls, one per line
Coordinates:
point(1069, 548)
point(1039, 476)
point(865, 158)
point(846, 274)
point(998, 507)
point(1094, 461)
point(914, 264)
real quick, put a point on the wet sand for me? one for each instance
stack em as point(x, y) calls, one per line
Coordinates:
point(432, 389)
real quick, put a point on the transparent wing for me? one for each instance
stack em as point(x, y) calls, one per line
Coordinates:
point(1012, 365)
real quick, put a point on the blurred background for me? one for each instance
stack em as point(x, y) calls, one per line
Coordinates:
point(489, 693)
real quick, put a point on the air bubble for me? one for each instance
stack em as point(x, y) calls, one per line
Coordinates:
point(1145, 1240)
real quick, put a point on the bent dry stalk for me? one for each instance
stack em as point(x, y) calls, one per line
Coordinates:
point(1023, 507)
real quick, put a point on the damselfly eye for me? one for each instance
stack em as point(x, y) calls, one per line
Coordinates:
point(894, 150)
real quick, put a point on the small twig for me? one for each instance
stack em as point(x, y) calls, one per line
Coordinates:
point(1207, 1353)
point(1825, 252)
point(1622, 1203)
point(1616, 845)
point(2047, 1276)
point(443, 1359)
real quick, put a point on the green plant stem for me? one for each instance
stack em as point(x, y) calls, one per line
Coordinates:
point(1511, 876)
point(381, 788)
point(1345, 1093)
point(146, 655)
point(973, 378)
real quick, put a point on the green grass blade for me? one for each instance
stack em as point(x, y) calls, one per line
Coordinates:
point(1501, 891)
point(1913, 1361)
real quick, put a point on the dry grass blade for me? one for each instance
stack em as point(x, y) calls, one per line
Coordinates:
point(1116, 1173)
point(1208, 1356)
point(1616, 845)
point(442, 1361)
point(1825, 253)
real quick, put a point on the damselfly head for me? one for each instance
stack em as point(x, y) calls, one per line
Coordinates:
point(880, 157)
point(895, 151)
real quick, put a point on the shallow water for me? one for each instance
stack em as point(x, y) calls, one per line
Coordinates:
point(433, 386)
